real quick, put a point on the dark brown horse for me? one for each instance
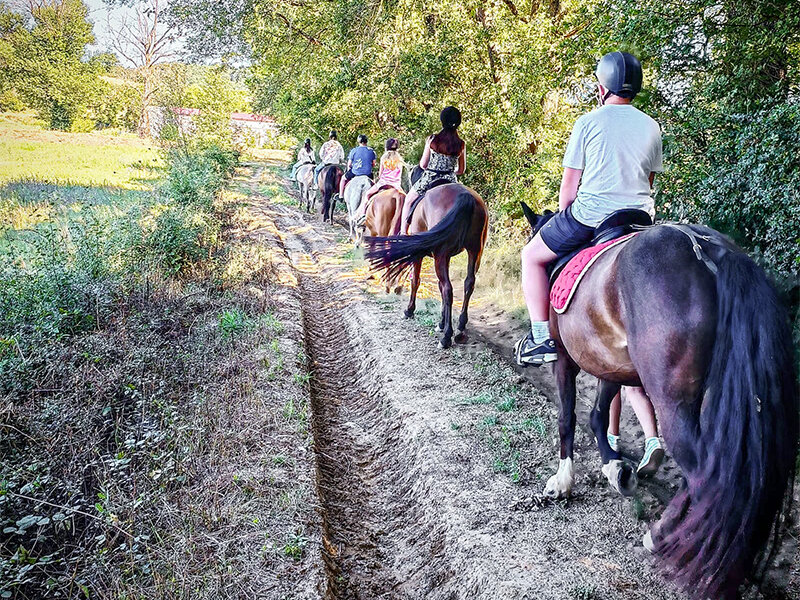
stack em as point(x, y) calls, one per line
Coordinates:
point(449, 219)
point(329, 179)
point(681, 311)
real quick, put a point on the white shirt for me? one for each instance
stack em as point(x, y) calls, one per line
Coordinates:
point(616, 146)
point(306, 155)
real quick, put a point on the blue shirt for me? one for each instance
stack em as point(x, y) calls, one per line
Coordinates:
point(362, 158)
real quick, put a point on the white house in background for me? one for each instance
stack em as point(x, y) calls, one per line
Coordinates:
point(248, 129)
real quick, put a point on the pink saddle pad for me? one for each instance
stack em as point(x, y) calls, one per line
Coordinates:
point(567, 281)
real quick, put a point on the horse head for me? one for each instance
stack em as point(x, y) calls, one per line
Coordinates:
point(536, 221)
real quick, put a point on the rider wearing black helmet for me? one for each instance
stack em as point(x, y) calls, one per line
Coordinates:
point(612, 157)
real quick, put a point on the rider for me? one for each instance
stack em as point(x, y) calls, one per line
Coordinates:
point(361, 161)
point(390, 173)
point(444, 157)
point(612, 157)
point(305, 156)
point(331, 153)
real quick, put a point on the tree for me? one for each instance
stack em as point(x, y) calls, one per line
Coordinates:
point(45, 60)
point(145, 43)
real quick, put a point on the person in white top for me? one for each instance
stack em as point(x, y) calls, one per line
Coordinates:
point(611, 160)
point(305, 156)
point(331, 153)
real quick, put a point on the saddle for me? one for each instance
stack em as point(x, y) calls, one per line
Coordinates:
point(419, 198)
point(616, 225)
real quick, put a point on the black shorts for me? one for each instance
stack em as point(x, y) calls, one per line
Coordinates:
point(564, 234)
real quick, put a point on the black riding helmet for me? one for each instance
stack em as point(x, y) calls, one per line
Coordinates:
point(450, 117)
point(307, 142)
point(620, 73)
point(362, 139)
point(391, 144)
point(332, 135)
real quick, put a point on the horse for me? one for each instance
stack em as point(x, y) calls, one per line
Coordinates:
point(450, 218)
point(353, 196)
point(305, 180)
point(683, 312)
point(330, 176)
point(385, 209)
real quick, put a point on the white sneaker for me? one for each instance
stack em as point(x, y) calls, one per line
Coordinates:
point(652, 459)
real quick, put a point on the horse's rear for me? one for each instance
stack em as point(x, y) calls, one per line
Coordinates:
point(450, 219)
point(329, 178)
point(384, 211)
point(714, 353)
point(305, 180)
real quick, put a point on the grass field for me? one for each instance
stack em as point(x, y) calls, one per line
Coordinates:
point(28, 153)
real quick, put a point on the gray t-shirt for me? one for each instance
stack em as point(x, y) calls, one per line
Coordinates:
point(616, 146)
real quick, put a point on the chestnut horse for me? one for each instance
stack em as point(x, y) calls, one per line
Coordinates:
point(683, 312)
point(385, 209)
point(449, 219)
point(329, 178)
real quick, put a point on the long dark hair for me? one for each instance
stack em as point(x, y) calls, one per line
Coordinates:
point(308, 144)
point(447, 140)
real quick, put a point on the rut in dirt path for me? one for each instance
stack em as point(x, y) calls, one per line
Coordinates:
point(345, 400)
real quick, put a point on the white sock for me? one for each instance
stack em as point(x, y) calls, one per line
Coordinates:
point(540, 331)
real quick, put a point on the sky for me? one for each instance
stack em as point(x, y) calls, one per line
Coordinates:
point(99, 14)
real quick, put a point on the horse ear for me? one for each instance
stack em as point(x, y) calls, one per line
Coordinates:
point(531, 216)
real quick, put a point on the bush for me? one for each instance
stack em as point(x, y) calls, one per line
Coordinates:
point(197, 177)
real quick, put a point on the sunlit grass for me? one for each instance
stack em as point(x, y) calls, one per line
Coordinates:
point(30, 153)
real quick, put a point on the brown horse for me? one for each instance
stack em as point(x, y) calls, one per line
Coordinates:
point(383, 213)
point(449, 219)
point(681, 311)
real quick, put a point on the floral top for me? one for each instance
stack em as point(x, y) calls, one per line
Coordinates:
point(332, 153)
point(440, 167)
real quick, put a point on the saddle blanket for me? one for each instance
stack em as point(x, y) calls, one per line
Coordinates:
point(567, 281)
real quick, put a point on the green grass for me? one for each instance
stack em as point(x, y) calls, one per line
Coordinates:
point(29, 153)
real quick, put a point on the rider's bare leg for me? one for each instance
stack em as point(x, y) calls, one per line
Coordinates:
point(613, 415)
point(535, 285)
point(409, 200)
point(644, 410)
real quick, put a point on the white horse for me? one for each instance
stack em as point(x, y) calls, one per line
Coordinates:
point(353, 197)
point(305, 181)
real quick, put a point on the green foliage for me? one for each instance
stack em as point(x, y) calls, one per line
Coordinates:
point(45, 62)
point(196, 176)
point(117, 105)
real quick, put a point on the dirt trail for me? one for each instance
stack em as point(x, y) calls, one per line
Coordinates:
point(417, 501)
point(431, 464)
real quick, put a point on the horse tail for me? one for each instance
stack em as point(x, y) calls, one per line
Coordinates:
point(397, 253)
point(747, 441)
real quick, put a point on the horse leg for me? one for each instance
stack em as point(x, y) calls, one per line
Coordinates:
point(412, 300)
point(442, 264)
point(560, 484)
point(469, 287)
point(619, 474)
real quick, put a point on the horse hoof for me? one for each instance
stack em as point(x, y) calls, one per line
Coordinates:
point(438, 329)
point(621, 477)
point(461, 336)
point(560, 484)
point(398, 290)
point(409, 314)
point(444, 344)
point(647, 542)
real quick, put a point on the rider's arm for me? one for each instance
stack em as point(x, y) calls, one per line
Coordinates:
point(569, 187)
point(462, 161)
point(426, 154)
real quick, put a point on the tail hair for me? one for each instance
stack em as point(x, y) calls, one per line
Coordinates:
point(747, 443)
point(395, 254)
